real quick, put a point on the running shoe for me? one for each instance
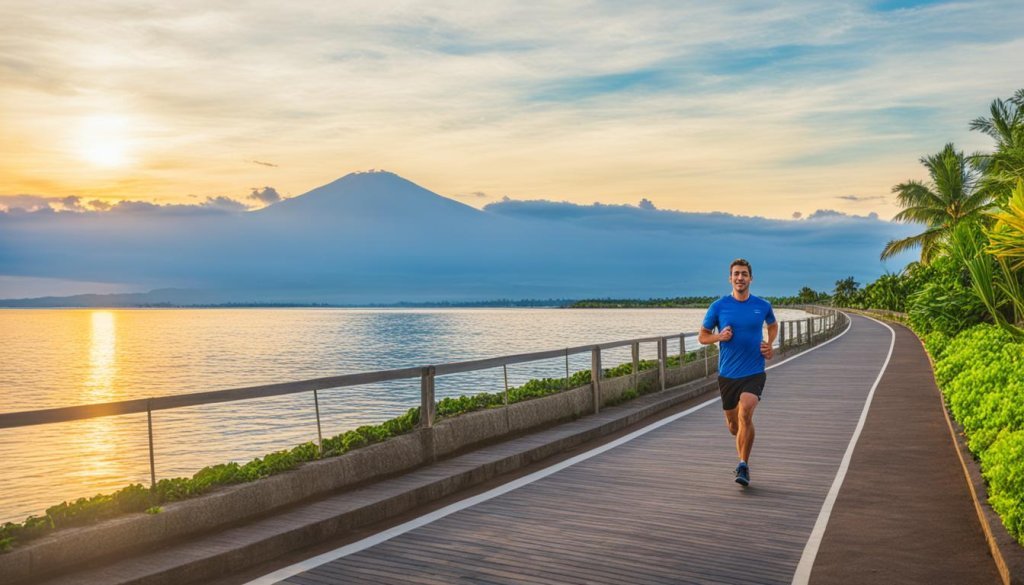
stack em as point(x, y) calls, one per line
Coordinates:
point(743, 474)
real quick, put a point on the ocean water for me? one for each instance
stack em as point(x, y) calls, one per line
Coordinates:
point(65, 357)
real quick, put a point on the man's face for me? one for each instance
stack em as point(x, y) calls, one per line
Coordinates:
point(739, 277)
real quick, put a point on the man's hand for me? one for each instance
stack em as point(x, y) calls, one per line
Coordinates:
point(726, 334)
point(766, 350)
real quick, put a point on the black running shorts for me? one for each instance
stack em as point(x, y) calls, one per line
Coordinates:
point(731, 388)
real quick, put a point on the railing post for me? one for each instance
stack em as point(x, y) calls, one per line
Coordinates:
point(682, 350)
point(319, 434)
point(799, 334)
point(508, 415)
point(152, 459)
point(427, 397)
point(810, 330)
point(662, 360)
point(636, 363)
point(595, 377)
point(782, 335)
point(567, 368)
point(707, 371)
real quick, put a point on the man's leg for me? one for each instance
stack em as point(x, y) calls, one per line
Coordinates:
point(732, 420)
point(745, 433)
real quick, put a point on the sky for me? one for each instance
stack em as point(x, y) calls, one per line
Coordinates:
point(760, 108)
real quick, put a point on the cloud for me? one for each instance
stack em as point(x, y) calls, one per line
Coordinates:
point(266, 195)
point(861, 197)
point(266, 164)
point(26, 203)
point(797, 215)
point(825, 228)
point(34, 205)
point(646, 204)
point(72, 203)
point(226, 203)
point(210, 205)
point(826, 213)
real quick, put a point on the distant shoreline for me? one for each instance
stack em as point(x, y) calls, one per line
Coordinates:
point(56, 304)
point(677, 303)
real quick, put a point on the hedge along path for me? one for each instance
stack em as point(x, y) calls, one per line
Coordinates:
point(660, 507)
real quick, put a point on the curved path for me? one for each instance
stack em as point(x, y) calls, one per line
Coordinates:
point(660, 506)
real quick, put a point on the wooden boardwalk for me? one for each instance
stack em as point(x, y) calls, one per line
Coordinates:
point(662, 507)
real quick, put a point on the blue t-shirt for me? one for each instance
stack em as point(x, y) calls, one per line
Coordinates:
point(741, 355)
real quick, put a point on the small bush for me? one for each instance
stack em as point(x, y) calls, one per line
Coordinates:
point(1003, 470)
point(979, 373)
point(935, 344)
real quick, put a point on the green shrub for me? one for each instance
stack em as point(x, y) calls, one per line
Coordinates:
point(944, 300)
point(1003, 469)
point(970, 349)
point(935, 344)
point(979, 373)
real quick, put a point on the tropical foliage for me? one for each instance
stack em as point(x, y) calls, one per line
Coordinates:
point(951, 198)
point(979, 374)
point(846, 292)
point(966, 296)
point(1007, 236)
point(1003, 168)
point(809, 296)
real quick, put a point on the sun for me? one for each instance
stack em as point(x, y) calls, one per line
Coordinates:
point(105, 141)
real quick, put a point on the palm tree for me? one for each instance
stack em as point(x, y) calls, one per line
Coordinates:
point(949, 199)
point(1005, 120)
point(1003, 168)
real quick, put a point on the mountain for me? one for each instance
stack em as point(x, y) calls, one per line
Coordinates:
point(375, 195)
point(378, 238)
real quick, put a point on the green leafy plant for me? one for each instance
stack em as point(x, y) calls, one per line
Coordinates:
point(978, 372)
point(1001, 465)
point(944, 300)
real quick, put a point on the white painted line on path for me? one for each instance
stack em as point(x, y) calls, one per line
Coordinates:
point(803, 569)
point(392, 532)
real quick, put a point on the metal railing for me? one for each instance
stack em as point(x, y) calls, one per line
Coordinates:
point(883, 314)
point(806, 331)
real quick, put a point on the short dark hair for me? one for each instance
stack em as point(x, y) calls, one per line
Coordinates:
point(741, 262)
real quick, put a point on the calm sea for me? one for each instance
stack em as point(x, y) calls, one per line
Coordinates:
point(67, 357)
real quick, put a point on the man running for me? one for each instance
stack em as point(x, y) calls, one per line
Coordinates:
point(742, 350)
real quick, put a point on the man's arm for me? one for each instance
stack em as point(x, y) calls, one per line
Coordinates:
point(707, 337)
point(766, 346)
